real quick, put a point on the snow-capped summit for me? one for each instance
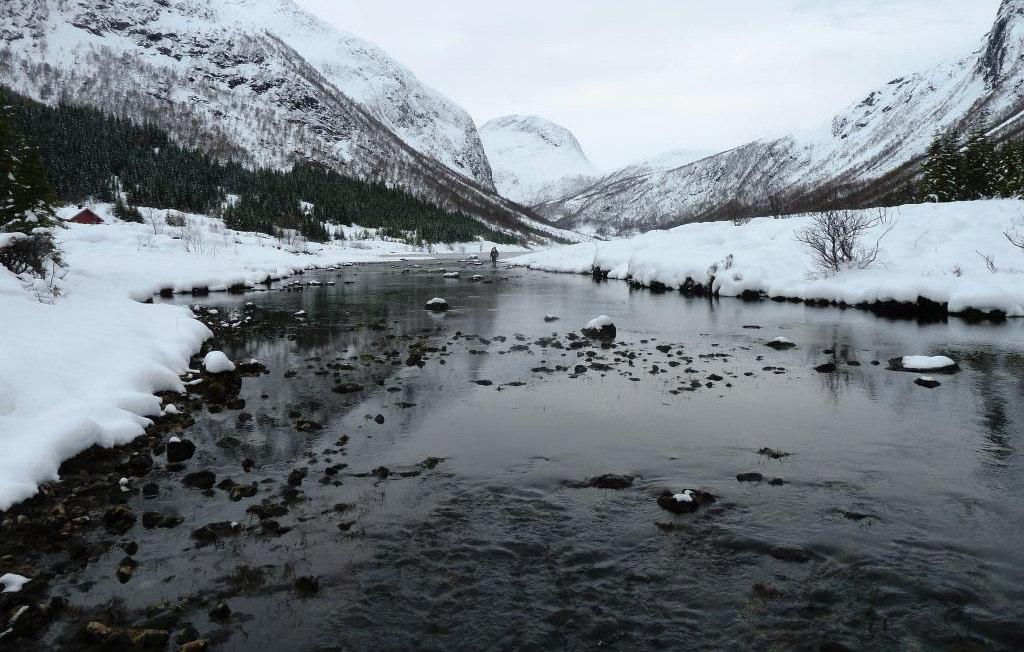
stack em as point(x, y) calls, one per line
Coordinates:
point(533, 159)
point(869, 149)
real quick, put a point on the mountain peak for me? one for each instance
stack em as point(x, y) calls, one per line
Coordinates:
point(534, 159)
point(1004, 45)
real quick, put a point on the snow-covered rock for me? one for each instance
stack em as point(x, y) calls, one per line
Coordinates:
point(534, 160)
point(437, 304)
point(600, 327)
point(216, 362)
point(890, 127)
point(12, 582)
point(932, 363)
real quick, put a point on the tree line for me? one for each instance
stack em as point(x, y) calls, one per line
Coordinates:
point(964, 166)
point(88, 154)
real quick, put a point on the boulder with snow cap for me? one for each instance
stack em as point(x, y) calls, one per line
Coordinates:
point(684, 502)
point(600, 328)
point(216, 362)
point(437, 304)
point(935, 364)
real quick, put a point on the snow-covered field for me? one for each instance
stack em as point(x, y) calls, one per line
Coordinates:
point(81, 369)
point(936, 251)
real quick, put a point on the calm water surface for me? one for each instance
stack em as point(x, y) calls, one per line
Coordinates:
point(906, 503)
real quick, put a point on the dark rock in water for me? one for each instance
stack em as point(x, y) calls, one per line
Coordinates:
point(119, 520)
point(485, 383)
point(212, 532)
point(750, 477)
point(347, 388)
point(180, 450)
point(780, 344)
point(431, 462)
point(252, 368)
point(221, 612)
point(776, 482)
point(664, 348)
point(611, 481)
point(234, 403)
point(241, 491)
point(379, 419)
point(200, 480)
point(930, 383)
point(303, 425)
point(667, 501)
point(248, 464)
point(229, 442)
point(794, 555)
point(307, 586)
point(150, 490)
point(580, 369)
point(773, 453)
point(715, 378)
point(827, 368)
point(267, 510)
point(604, 332)
point(125, 569)
point(296, 477)
point(140, 463)
point(381, 472)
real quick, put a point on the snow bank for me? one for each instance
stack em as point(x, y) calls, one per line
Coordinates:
point(82, 369)
point(933, 252)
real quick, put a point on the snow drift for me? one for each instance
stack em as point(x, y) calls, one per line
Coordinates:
point(934, 251)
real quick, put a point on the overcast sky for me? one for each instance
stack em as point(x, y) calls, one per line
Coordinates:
point(633, 78)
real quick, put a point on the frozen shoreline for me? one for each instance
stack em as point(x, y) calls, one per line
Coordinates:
point(931, 262)
point(83, 369)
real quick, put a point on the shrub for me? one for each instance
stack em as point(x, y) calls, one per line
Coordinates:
point(835, 239)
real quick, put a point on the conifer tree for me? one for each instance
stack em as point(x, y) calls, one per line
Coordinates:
point(26, 210)
point(977, 164)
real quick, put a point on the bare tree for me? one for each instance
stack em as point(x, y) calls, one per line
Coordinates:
point(835, 239)
point(1015, 238)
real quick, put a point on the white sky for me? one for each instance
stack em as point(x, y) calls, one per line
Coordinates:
point(632, 78)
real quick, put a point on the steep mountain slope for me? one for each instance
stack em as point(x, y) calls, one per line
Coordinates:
point(214, 75)
point(533, 159)
point(864, 151)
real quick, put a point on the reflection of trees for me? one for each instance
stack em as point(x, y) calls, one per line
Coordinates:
point(991, 390)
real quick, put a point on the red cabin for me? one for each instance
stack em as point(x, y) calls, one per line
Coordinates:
point(86, 216)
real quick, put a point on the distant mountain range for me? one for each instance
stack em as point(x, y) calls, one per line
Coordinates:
point(265, 83)
point(868, 153)
point(260, 81)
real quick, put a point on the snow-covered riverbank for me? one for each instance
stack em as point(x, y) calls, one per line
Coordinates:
point(81, 369)
point(936, 251)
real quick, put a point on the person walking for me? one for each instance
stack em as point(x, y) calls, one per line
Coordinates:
point(494, 256)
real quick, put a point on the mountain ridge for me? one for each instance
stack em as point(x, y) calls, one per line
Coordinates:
point(865, 153)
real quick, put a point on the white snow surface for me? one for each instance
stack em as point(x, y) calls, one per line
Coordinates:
point(217, 362)
point(85, 366)
point(533, 159)
point(599, 322)
point(926, 363)
point(931, 252)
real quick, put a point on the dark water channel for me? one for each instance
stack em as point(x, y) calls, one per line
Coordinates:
point(901, 516)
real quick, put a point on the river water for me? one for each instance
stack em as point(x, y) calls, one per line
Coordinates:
point(898, 524)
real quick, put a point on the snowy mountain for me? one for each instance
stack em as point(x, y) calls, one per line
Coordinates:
point(533, 159)
point(865, 151)
point(259, 80)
